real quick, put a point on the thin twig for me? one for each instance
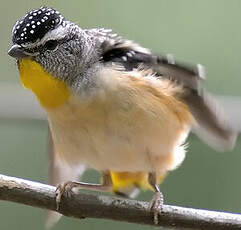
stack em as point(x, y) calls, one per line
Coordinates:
point(106, 207)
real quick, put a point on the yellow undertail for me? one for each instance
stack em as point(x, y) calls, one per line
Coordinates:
point(125, 183)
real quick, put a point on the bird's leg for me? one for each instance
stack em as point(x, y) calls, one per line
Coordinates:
point(105, 186)
point(156, 203)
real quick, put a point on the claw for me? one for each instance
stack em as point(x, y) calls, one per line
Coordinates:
point(61, 189)
point(59, 192)
point(156, 205)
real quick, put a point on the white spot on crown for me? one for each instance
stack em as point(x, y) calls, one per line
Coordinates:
point(124, 58)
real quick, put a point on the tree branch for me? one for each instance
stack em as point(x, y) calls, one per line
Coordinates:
point(105, 207)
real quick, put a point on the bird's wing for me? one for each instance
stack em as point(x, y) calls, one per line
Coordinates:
point(212, 125)
point(59, 172)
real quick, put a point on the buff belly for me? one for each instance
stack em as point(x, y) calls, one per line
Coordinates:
point(122, 129)
point(118, 146)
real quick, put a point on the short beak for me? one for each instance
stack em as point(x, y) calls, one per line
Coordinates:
point(17, 51)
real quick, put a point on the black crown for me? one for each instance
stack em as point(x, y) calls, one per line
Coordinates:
point(35, 24)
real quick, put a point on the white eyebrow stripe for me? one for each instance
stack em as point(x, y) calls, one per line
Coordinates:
point(55, 34)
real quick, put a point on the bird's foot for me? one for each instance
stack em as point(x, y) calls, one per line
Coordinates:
point(61, 189)
point(156, 205)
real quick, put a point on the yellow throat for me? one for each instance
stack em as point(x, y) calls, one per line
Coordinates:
point(50, 91)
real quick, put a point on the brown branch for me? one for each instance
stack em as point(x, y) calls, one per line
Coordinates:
point(105, 207)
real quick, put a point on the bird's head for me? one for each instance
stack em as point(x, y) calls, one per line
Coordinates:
point(54, 54)
point(61, 47)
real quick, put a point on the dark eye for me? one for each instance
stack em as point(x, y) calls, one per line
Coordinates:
point(51, 44)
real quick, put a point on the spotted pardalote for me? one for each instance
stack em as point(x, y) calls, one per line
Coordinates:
point(112, 105)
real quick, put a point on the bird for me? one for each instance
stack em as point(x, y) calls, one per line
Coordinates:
point(113, 105)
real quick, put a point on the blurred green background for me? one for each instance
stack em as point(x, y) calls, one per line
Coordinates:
point(206, 32)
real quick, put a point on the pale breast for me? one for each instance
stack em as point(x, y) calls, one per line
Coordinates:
point(130, 125)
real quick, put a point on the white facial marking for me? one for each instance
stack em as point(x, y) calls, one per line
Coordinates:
point(129, 54)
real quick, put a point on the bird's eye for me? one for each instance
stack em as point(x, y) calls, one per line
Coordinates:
point(51, 44)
